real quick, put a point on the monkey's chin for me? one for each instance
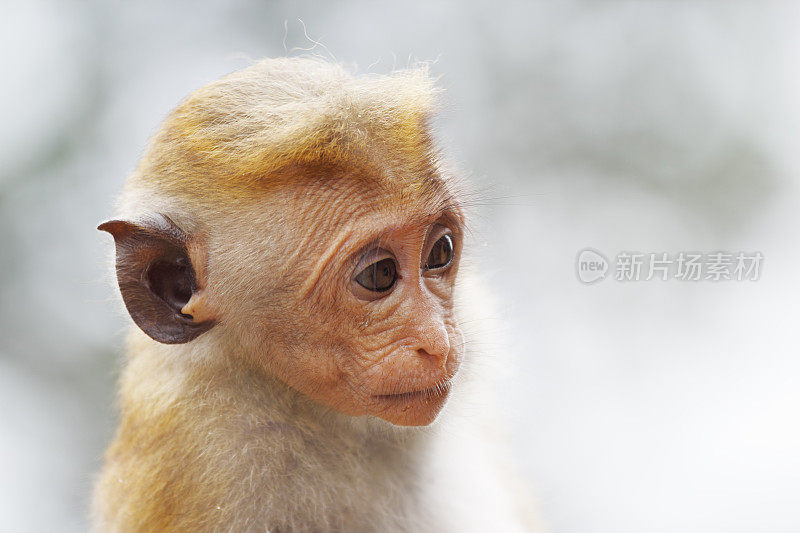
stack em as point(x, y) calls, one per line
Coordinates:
point(418, 408)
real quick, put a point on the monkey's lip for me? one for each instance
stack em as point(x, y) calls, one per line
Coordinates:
point(437, 390)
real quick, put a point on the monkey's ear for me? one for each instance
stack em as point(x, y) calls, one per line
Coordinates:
point(156, 277)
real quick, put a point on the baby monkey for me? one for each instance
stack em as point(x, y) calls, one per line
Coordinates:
point(289, 247)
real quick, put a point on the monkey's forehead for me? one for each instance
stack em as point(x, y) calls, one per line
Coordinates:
point(242, 132)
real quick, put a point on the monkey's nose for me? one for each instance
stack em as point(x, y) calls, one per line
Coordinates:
point(435, 344)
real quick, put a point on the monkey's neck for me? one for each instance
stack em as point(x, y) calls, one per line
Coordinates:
point(212, 392)
point(207, 439)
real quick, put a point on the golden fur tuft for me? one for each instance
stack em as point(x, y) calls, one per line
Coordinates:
point(238, 131)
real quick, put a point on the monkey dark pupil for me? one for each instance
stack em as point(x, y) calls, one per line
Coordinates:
point(441, 253)
point(379, 276)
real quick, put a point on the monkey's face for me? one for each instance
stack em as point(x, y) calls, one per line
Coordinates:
point(357, 312)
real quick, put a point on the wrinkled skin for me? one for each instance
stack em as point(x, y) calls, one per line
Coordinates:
point(298, 311)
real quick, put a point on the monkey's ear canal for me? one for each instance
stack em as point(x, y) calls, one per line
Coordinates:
point(156, 278)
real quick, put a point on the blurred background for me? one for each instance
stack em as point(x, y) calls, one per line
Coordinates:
point(660, 127)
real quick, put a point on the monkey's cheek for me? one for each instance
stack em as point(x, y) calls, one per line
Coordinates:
point(411, 409)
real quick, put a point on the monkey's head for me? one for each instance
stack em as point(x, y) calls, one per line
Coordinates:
point(301, 214)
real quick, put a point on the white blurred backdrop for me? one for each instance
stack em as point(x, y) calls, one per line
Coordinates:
point(658, 127)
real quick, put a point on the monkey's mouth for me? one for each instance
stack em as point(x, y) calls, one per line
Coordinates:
point(439, 390)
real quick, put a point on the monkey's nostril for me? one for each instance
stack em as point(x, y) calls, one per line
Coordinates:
point(441, 359)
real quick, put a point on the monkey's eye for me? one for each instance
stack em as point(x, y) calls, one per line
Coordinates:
point(379, 276)
point(441, 253)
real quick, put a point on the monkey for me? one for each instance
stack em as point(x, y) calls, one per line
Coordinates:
point(287, 249)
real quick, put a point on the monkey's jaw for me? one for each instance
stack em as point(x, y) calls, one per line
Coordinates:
point(414, 408)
